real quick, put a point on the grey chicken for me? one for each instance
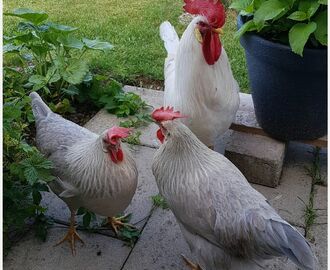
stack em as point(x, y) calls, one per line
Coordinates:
point(92, 171)
point(227, 223)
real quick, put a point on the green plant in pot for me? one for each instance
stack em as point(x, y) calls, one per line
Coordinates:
point(285, 42)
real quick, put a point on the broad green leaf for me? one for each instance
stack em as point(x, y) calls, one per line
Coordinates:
point(71, 90)
point(38, 82)
point(75, 71)
point(70, 42)
point(21, 38)
point(33, 16)
point(11, 48)
point(81, 211)
point(269, 10)
point(298, 16)
point(61, 27)
point(323, 2)
point(87, 219)
point(40, 50)
point(299, 34)
point(96, 44)
point(31, 175)
point(321, 32)
point(248, 26)
point(23, 26)
point(51, 37)
point(52, 75)
point(309, 7)
point(240, 4)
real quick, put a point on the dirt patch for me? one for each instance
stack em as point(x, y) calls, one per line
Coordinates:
point(147, 82)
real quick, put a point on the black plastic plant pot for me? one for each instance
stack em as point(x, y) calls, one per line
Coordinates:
point(289, 91)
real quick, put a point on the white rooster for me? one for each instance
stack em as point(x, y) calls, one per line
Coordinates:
point(198, 77)
point(227, 224)
point(93, 171)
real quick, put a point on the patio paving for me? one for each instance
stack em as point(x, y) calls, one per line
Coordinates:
point(161, 242)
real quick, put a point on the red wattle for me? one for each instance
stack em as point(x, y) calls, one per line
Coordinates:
point(211, 47)
point(160, 135)
point(117, 156)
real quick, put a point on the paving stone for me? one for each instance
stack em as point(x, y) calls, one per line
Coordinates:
point(319, 238)
point(161, 244)
point(291, 196)
point(320, 204)
point(142, 203)
point(258, 157)
point(99, 252)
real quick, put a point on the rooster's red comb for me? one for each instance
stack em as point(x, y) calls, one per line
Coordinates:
point(115, 133)
point(164, 114)
point(213, 10)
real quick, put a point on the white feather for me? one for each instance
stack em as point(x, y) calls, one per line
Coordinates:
point(208, 94)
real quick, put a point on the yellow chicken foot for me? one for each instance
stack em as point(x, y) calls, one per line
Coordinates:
point(71, 235)
point(117, 222)
point(190, 264)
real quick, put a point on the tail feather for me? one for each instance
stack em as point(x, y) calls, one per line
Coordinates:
point(169, 36)
point(294, 246)
point(39, 108)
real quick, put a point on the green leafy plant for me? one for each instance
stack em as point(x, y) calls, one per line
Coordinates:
point(88, 218)
point(128, 233)
point(134, 138)
point(25, 170)
point(298, 23)
point(51, 56)
point(159, 201)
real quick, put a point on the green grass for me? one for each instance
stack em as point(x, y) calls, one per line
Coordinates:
point(132, 26)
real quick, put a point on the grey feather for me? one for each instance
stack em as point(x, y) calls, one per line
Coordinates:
point(39, 108)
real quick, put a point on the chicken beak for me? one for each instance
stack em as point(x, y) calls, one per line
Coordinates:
point(219, 31)
point(198, 35)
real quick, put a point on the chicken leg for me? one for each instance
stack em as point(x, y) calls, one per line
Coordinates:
point(118, 222)
point(71, 235)
point(190, 264)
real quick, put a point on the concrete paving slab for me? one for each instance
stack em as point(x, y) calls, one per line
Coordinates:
point(161, 244)
point(99, 252)
point(258, 157)
point(320, 204)
point(319, 239)
point(142, 203)
point(290, 197)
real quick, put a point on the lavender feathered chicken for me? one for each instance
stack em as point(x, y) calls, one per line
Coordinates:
point(93, 171)
point(227, 223)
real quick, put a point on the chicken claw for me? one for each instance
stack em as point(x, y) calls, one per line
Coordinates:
point(118, 222)
point(190, 264)
point(71, 237)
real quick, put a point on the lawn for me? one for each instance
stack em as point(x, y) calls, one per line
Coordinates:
point(133, 28)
